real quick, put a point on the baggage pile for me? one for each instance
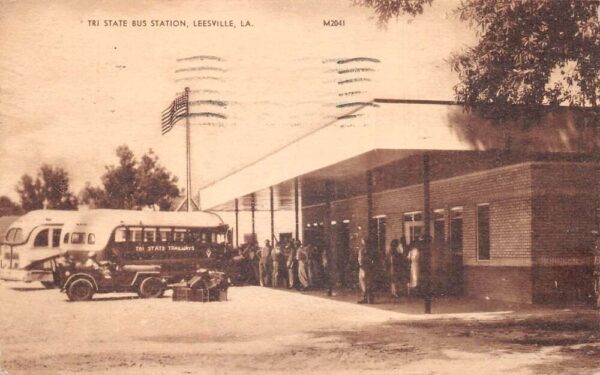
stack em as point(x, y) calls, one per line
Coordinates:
point(205, 286)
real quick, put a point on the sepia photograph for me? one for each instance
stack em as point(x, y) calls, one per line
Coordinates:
point(294, 187)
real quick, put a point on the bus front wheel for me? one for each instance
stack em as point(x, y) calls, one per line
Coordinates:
point(80, 290)
point(151, 287)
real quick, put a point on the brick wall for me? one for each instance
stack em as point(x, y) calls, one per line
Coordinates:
point(506, 189)
point(511, 284)
point(565, 198)
point(538, 210)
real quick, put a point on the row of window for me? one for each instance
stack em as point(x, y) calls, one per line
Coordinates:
point(413, 228)
point(80, 238)
point(153, 235)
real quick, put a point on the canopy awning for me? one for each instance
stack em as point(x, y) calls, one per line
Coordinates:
point(385, 131)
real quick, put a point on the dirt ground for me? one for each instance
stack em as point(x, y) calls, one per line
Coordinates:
point(275, 331)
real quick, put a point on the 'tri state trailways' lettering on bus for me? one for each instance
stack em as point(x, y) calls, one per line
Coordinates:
point(165, 248)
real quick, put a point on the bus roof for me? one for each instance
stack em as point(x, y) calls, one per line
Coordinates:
point(36, 218)
point(102, 222)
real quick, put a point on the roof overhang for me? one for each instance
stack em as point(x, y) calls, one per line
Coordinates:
point(387, 131)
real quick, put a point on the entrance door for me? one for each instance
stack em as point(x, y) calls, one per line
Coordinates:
point(456, 247)
point(343, 252)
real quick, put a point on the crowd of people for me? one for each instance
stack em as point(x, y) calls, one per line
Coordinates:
point(292, 265)
point(300, 266)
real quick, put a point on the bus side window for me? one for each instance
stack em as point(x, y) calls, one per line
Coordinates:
point(120, 235)
point(41, 239)
point(136, 234)
point(180, 235)
point(165, 235)
point(56, 237)
point(149, 234)
point(91, 239)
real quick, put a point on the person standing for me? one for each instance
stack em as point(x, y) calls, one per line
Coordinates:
point(302, 258)
point(403, 266)
point(291, 265)
point(326, 274)
point(365, 270)
point(265, 264)
point(394, 266)
point(253, 255)
point(310, 264)
point(414, 257)
point(277, 256)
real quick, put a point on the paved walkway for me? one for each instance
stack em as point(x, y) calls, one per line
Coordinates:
point(440, 305)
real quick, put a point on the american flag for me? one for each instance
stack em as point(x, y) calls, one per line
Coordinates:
point(175, 112)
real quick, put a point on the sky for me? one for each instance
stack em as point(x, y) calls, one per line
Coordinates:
point(72, 92)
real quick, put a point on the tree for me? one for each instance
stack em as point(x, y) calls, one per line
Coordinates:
point(155, 184)
point(50, 187)
point(8, 207)
point(133, 184)
point(530, 52)
point(120, 181)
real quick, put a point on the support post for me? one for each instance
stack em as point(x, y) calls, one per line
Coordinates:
point(252, 209)
point(369, 242)
point(272, 216)
point(237, 223)
point(188, 189)
point(331, 260)
point(296, 208)
point(426, 245)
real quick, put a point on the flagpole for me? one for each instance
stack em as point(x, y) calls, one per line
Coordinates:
point(188, 189)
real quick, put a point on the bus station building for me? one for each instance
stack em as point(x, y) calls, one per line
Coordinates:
point(510, 206)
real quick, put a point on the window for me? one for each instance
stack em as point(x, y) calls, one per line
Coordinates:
point(56, 237)
point(9, 234)
point(66, 239)
point(439, 226)
point(120, 235)
point(180, 235)
point(135, 234)
point(77, 237)
point(41, 239)
point(456, 230)
point(413, 226)
point(165, 235)
point(91, 238)
point(15, 235)
point(483, 232)
point(149, 234)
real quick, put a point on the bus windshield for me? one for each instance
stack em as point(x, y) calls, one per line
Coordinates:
point(14, 235)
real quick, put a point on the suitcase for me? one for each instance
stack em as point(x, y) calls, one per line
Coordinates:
point(185, 293)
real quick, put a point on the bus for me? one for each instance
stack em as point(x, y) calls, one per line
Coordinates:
point(108, 251)
point(29, 244)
